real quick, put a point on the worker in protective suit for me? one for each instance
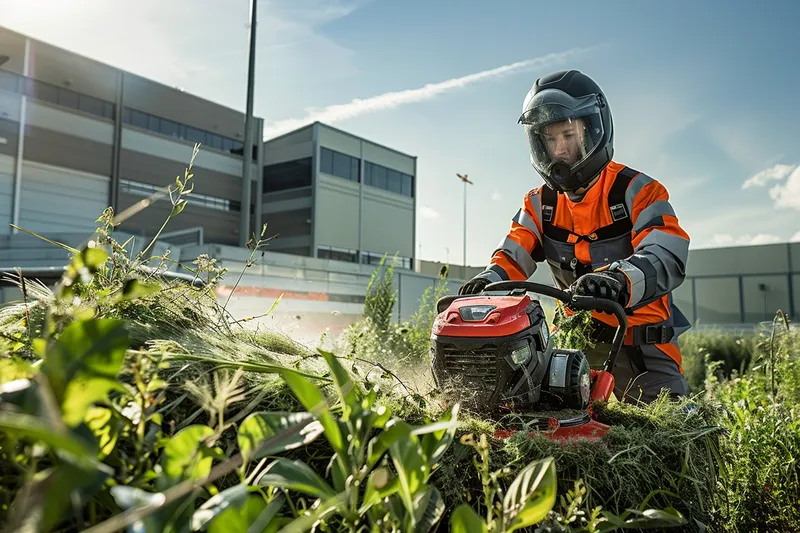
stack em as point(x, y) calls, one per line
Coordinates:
point(604, 229)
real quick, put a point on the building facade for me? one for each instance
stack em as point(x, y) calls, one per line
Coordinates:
point(332, 195)
point(77, 136)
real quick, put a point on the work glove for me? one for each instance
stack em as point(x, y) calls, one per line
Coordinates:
point(606, 284)
point(473, 286)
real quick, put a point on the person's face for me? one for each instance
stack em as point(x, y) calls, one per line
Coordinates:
point(564, 141)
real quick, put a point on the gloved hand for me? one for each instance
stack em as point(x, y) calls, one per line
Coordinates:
point(473, 286)
point(605, 284)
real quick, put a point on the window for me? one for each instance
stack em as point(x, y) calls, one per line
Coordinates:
point(177, 130)
point(388, 179)
point(371, 258)
point(337, 254)
point(287, 175)
point(339, 164)
point(202, 200)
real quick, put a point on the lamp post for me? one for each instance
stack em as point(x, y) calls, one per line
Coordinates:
point(247, 151)
point(465, 180)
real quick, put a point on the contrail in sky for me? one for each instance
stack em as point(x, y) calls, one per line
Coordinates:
point(394, 99)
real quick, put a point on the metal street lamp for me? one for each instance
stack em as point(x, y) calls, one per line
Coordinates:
point(247, 151)
point(465, 180)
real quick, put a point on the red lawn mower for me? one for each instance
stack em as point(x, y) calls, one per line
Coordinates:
point(495, 347)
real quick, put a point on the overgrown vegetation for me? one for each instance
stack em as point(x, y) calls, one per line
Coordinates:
point(132, 402)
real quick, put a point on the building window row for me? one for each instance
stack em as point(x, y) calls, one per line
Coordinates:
point(366, 258)
point(53, 94)
point(176, 130)
point(338, 164)
point(347, 167)
point(202, 200)
point(61, 96)
point(388, 179)
point(287, 175)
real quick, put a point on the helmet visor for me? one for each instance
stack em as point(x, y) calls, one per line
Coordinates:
point(562, 136)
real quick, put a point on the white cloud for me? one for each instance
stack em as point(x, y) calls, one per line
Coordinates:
point(496, 196)
point(389, 100)
point(795, 237)
point(776, 173)
point(787, 194)
point(428, 212)
point(726, 239)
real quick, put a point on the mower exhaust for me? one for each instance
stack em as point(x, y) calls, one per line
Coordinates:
point(493, 351)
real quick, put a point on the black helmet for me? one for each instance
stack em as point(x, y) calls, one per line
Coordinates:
point(568, 106)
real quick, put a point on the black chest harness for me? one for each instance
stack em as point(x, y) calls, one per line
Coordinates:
point(606, 244)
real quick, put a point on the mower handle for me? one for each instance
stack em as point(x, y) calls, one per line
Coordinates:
point(575, 301)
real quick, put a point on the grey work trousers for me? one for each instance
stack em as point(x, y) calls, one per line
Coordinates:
point(641, 372)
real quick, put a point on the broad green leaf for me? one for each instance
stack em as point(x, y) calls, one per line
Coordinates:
point(103, 425)
point(305, 522)
point(253, 514)
point(183, 456)
point(13, 369)
point(295, 475)
point(380, 484)
point(83, 364)
point(531, 495)
point(465, 520)
point(177, 208)
point(231, 497)
point(345, 387)
point(21, 425)
point(377, 446)
point(48, 499)
point(411, 469)
point(429, 509)
point(23, 394)
point(259, 428)
point(438, 437)
point(312, 399)
point(93, 258)
point(135, 289)
point(129, 498)
point(655, 518)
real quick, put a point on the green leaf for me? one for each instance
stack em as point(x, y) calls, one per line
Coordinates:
point(21, 425)
point(531, 495)
point(177, 208)
point(465, 520)
point(411, 469)
point(134, 289)
point(295, 475)
point(429, 509)
point(312, 399)
point(231, 497)
point(253, 514)
point(184, 456)
point(259, 427)
point(393, 431)
point(129, 498)
point(305, 522)
point(83, 364)
point(93, 258)
point(380, 484)
point(439, 436)
point(101, 421)
point(345, 387)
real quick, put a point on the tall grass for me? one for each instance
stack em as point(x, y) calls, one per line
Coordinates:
point(131, 401)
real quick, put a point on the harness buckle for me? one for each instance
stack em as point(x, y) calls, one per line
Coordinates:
point(547, 213)
point(618, 212)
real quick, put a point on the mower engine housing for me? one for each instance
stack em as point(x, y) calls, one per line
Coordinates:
point(497, 350)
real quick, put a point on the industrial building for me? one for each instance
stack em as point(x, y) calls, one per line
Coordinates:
point(77, 136)
point(319, 174)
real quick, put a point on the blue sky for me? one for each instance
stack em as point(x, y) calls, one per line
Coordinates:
point(702, 93)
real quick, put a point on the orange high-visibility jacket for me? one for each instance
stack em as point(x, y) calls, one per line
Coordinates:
point(626, 217)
